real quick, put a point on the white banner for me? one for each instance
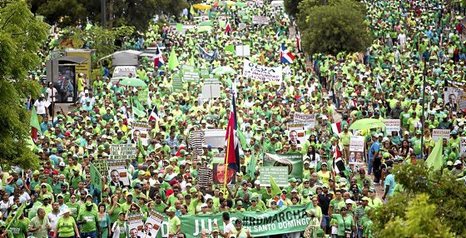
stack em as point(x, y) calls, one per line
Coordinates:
point(262, 73)
point(308, 119)
point(140, 131)
point(260, 20)
point(440, 134)
point(243, 50)
point(296, 132)
point(356, 150)
point(392, 125)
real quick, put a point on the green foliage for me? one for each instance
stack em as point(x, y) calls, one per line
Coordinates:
point(98, 38)
point(441, 188)
point(137, 13)
point(21, 36)
point(334, 27)
point(420, 220)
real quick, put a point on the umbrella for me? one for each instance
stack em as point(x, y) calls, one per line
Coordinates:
point(223, 70)
point(367, 123)
point(134, 82)
point(202, 6)
point(206, 23)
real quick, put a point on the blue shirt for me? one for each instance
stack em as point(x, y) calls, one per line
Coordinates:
point(390, 181)
point(375, 147)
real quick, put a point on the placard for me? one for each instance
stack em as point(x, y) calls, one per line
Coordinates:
point(296, 132)
point(122, 152)
point(451, 95)
point(392, 125)
point(196, 141)
point(308, 119)
point(356, 150)
point(215, 137)
point(153, 224)
point(260, 20)
point(102, 166)
point(205, 176)
point(243, 50)
point(262, 73)
point(118, 172)
point(440, 134)
point(135, 225)
point(219, 171)
point(140, 131)
point(279, 174)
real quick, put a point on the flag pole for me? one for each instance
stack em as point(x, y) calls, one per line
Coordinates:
point(226, 164)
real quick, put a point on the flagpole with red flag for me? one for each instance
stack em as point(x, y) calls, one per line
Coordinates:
point(232, 150)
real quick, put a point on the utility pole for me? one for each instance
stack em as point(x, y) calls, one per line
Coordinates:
point(103, 11)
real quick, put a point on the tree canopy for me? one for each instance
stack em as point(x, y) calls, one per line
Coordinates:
point(333, 26)
point(435, 208)
point(21, 37)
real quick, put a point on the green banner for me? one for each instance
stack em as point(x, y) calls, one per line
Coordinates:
point(96, 178)
point(282, 221)
point(294, 162)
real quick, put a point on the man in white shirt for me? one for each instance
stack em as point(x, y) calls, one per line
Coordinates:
point(51, 97)
point(41, 106)
point(54, 215)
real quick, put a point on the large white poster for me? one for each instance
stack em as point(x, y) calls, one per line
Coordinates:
point(262, 73)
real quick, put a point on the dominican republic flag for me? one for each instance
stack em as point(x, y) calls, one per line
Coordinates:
point(158, 59)
point(232, 142)
point(336, 127)
point(286, 57)
point(228, 29)
point(154, 114)
point(298, 42)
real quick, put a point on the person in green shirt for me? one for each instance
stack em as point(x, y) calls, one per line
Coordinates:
point(19, 228)
point(88, 221)
point(66, 226)
point(120, 227)
point(174, 223)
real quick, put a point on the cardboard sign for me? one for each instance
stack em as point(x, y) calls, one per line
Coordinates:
point(293, 162)
point(153, 224)
point(356, 150)
point(118, 172)
point(122, 152)
point(308, 119)
point(392, 125)
point(140, 131)
point(243, 50)
point(205, 176)
point(451, 95)
point(296, 132)
point(262, 73)
point(215, 137)
point(440, 134)
point(135, 225)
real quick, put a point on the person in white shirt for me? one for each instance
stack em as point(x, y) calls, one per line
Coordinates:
point(54, 215)
point(41, 106)
point(51, 97)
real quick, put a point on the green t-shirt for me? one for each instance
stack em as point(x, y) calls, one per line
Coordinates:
point(19, 228)
point(65, 227)
point(173, 223)
point(89, 219)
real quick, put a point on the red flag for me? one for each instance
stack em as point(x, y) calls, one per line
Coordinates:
point(298, 42)
point(232, 150)
point(228, 29)
point(336, 127)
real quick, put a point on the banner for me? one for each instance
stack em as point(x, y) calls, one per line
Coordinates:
point(262, 73)
point(451, 95)
point(356, 150)
point(308, 119)
point(102, 166)
point(440, 134)
point(205, 176)
point(96, 178)
point(190, 74)
point(243, 50)
point(294, 162)
point(260, 20)
point(135, 225)
point(273, 222)
point(140, 131)
point(215, 137)
point(392, 125)
point(122, 152)
point(219, 174)
point(279, 174)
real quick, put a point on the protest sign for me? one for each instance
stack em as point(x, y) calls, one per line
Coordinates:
point(135, 225)
point(296, 132)
point(308, 119)
point(260, 20)
point(463, 146)
point(177, 83)
point(122, 151)
point(392, 125)
point(140, 131)
point(262, 73)
point(215, 137)
point(243, 50)
point(102, 166)
point(462, 101)
point(190, 74)
point(279, 174)
point(440, 134)
point(356, 149)
point(451, 95)
point(271, 222)
point(118, 172)
point(96, 178)
point(196, 141)
point(294, 163)
point(219, 174)
point(211, 89)
point(153, 224)
point(205, 176)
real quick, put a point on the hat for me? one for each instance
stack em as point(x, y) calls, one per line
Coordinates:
point(294, 191)
point(239, 203)
point(171, 209)
point(292, 180)
point(349, 201)
point(457, 162)
point(62, 164)
point(365, 199)
point(449, 163)
point(204, 205)
point(66, 210)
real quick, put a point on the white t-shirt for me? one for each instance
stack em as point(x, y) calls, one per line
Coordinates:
point(228, 228)
point(50, 92)
point(40, 107)
point(53, 219)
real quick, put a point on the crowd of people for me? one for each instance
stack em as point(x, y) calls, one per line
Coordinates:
point(415, 42)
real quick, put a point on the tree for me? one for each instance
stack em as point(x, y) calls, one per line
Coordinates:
point(291, 7)
point(333, 26)
point(21, 37)
point(440, 188)
point(419, 220)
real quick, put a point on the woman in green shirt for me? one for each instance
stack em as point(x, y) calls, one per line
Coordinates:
point(104, 221)
point(66, 226)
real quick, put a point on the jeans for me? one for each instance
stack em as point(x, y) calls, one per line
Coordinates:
point(369, 165)
point(92, 234)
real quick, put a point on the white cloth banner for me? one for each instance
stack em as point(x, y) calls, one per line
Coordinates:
point(262, 73)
